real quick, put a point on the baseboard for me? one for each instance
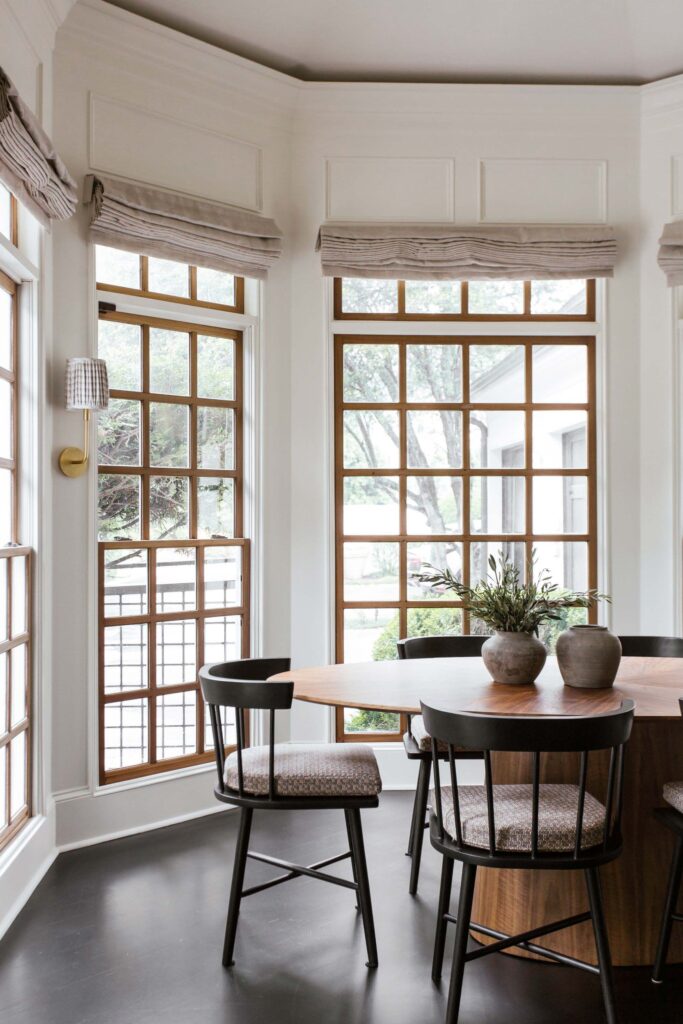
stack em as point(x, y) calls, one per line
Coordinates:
point(178, 819)
point(19, 854)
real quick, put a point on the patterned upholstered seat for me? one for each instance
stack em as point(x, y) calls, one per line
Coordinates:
point(315, 770)
point(558, 806)
point(422, 737)
point(673, 794)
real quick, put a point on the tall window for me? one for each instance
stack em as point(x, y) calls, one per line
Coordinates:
point(15, 570)
point(451, 448)
point(173, 561)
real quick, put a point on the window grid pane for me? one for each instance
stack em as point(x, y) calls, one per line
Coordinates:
point(498, 469)
point(15, 578)
point(178, 596)
point(178, 282)
point(370, 299)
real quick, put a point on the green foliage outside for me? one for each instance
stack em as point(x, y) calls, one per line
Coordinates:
point(422, 622)
point(507, 602)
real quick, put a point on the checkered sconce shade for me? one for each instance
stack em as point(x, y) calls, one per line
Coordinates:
point(86, 384)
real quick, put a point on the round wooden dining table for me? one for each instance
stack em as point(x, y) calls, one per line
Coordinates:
point(515, 901)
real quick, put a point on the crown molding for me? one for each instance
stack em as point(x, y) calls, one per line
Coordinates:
point(58, 10)
point(111, 33)
point(663, 98)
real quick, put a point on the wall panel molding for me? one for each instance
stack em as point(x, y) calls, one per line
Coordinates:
point(389, 189)
point(144, 145)
point(677, 185)
point(542, 191)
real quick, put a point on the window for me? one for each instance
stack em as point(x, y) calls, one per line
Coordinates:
point(450, 449)
point(374, 299)
point(131, 274)
point(15, 575)
point(173, 560)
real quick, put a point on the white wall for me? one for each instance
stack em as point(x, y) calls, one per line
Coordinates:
point(139, 100)
point(661, 172)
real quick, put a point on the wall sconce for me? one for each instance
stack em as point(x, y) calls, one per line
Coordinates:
point(87, 388)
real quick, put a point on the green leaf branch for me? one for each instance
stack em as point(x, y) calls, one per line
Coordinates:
point(506, 603)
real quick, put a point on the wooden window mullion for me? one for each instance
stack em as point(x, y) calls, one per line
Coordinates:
point(466, 497)
point(528, 455)
point(401, 297)
point(152, 655)
point(238, 442)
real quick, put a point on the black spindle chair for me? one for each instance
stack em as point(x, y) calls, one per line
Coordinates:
point(534, 826)
point(417, 742)
point(651, 646)
point(672, 817)
point(286, 777)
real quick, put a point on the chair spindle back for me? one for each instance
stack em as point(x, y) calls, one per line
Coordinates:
point(242, 685)
point(536, 735)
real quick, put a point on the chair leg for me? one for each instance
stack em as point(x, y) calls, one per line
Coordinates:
point(420, 810)
point(602, 943)
point(441, 923)
point(241, 851)
point(411, 837)
point(353, 860)
point(674, 887)
point(361, 872)
point(462, 930)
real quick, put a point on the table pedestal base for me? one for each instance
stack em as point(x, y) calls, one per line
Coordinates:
point(634, 886)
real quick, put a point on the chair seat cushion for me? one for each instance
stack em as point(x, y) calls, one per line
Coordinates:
point(312, 769)
point(422, 737)
point(673, 794)
point(557, 809)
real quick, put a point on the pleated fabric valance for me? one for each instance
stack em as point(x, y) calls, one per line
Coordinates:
point(457, 253)
point(29, 165)
point(670, 255)
point(144, 219)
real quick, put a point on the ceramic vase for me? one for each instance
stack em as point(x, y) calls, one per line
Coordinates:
point(514, 658)
point(588, 656)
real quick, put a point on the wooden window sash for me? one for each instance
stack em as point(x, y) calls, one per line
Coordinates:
point(464, 314)
point(186, 300)
point(466, 538)
point(145, 472)
point(11, 826)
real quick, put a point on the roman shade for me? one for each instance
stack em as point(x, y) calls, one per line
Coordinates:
point(670, 255)
point(458, 253)
point(148, 220)
point(29, 165)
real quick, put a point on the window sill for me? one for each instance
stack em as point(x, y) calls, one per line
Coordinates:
point(152, 780)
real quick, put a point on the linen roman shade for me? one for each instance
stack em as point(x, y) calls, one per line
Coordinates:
point(29, 165)
point(459, 253)
point(144, 219)
point(670, 255)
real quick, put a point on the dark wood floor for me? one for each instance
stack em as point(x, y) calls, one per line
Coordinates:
point(130, 932)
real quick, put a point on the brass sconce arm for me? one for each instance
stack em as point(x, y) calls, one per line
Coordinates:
point(74, 461)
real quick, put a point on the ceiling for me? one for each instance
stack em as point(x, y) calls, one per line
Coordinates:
point(551, 41)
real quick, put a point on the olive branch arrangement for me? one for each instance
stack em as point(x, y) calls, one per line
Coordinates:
point(505, 603)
